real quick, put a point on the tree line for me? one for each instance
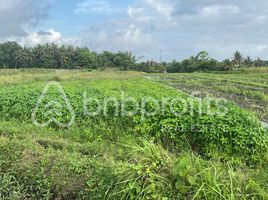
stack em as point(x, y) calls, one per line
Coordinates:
point(202, 62)
point(12, 55)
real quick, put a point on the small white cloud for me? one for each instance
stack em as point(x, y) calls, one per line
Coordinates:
point(261, 19)
point(37, 38)
point(261, 47)
point(128, 37)
point(219, 9)
point(43, 37)
point(133, 35)
point(89, 6)
point(113, 37)
point(138, 14)
point(165, 8)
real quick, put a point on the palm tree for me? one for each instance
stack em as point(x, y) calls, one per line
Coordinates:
point(23, 58)
point(202, 55)
point(61, 58)
point(238, 58)
point(192, 59)
point(38, 55)
point(228, 64)
point(248, 61)
point(258, 62)
point(38, 51)
point(2, 58)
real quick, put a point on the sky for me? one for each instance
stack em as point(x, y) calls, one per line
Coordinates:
point(177, 28)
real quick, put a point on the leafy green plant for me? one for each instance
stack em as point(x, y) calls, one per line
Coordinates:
point(116, 157)
point(237, 133)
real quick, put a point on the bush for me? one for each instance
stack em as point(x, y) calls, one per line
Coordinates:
point(236, 133)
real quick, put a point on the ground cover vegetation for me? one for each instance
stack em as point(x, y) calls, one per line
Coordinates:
point(193, 155)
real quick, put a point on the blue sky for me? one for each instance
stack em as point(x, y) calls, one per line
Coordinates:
point(180, 28)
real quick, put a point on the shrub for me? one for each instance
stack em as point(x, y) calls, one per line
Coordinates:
point(236, 133)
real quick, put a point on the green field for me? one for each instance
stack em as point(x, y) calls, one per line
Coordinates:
point(248, 88)
point(147, 154)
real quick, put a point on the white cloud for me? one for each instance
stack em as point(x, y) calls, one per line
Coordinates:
point(214, 10)
point(127, 38)
point(180, 27)
point(35, 38)
point(134, 36)
point(113, 37)
point(163, 7)
point(90, 7)
point(138, 14)
point(260, 19)
point(183, 27)
point(43, 37)
point(17, 15)
point(261, 47)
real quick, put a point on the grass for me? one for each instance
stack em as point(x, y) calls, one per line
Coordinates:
point(10, 77)
point(114, 157)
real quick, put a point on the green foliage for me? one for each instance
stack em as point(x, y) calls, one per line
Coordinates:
point(143, 170)
point(61, 57)
point(53, 56)
point(200, 179)
point(238, 58)
point(134, 157)
point(200, 62)
point(209, 130)
point(9, 50)
point(210, 126)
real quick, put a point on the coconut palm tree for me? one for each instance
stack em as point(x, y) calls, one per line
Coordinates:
point(257, 62)
point(248, 61)
point(238, 58)
point(23, 58)
point(228, 64)
point(202, 55)
point(38, 51)
point(61, 58)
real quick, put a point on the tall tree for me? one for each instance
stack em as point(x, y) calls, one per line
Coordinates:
point(238, 58)
point(20, 58)
point(85, 58)
point(228, 64)
point(248, 61)
point(38, 54)
point(124, 60)
point(60, 56)
point(2, 63)
point(10, 50)
point(201, 56)
point(258, 62)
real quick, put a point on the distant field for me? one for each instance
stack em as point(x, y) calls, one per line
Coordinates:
point(247, 88)
point(192, 155)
